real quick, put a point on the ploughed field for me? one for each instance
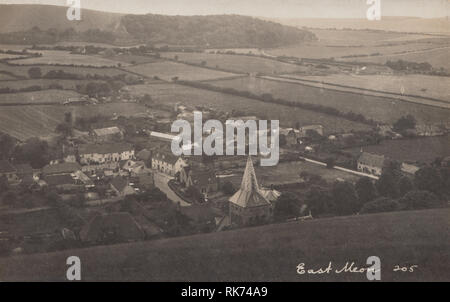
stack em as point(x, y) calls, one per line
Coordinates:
point(24, 122)
point(266, 253)
point(376, 108)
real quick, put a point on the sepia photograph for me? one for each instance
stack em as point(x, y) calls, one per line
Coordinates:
point(223, 141)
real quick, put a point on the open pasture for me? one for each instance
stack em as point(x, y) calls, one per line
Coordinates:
point(272, 253)
point(438, 57)
point(171, 94)
point(36, 97)
point(43, 83)
point(53, 57)
point(377, 108)
point(236, 63)
point(423, 150)
point(420, 85)
point(168, 70)
point(22, 70)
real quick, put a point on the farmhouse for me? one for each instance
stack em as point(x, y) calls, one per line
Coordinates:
point(371, 163)
point(103, 153)
point(167, 163)
point(121, 187)
point(249, 206)
point(107, 134)
point(9, 171)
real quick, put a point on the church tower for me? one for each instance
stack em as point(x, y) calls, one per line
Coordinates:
point(249, 206)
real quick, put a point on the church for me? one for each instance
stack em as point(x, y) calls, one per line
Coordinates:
point(250, 205)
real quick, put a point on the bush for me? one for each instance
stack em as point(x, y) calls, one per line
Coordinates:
point(228, 188)
point(380, 205)
point(416, 200)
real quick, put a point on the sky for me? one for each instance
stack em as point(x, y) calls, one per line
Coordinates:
point(262, 8)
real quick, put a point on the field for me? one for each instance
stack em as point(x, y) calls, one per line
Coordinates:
point(43, 83)
point(5, 56)
point(131, 59)
point(169, 70)
point(423, 150)
point(420, 85)
point(266, 253)
point(24, 122)
point(22, 70)
point(438, 57)
point(236, 63)
point(52, 57)
point(36, 97)
point(288, 116)
point(379, 109)
point(286, 173)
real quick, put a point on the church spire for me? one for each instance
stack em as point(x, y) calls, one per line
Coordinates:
point(249, 181)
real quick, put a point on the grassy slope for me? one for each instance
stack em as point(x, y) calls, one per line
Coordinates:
point(264, 253)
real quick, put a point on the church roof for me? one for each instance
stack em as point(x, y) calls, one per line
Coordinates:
point(249, 194)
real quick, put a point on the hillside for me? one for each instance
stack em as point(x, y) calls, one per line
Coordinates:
point(213, 31)
point(399, 24)
point(267, 253)
point(17, 18)
point(44, 24)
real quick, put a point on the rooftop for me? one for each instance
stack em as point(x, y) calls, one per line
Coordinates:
point(63, 168)
point(107, 131)
point(104, 148)
point(371, 159)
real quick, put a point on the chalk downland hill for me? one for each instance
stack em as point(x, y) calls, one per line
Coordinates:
point(266, 253)
point(21, 21)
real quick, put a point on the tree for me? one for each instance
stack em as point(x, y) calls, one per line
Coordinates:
point(387, 184)
point(9, 198)
point(319, 201)
point(330, 162)
point(404, 185)
point(415, 200)
point(365, 189)
point(7, 144)
point(4, 185)
point(33, 151)
point(64, 129)
point(287, 206)
point(194, 194)
point(345, 198)
point(382, 204)
point(228, 188)
point(429, 179)
point(405, 123)
point(35, 72)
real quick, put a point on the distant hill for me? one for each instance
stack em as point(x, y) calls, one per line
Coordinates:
point(17, 18)
point(399, 24)
point(217, 31)
point(41, 24)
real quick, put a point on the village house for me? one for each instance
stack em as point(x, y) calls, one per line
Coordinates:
point(204, 180)
point(121, 186)
point(103, 153)
point(9, 171)
point(167, 163)
point(371, 163)
point(61, 169)
point(249, 206)
point(107, 134)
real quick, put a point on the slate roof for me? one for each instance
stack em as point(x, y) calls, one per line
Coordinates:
point(372, 160)
point(63, 168)
point(167, 157)
point(104, 148)
point(107, 131)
